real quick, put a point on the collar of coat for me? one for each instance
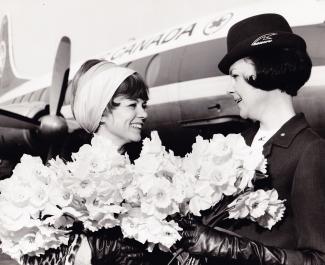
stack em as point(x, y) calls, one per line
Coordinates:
point(286, 134)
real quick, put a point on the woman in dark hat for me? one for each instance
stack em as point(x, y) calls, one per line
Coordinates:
point(268, 64)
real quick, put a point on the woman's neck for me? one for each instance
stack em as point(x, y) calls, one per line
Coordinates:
point(278, 110)
point(110, 137)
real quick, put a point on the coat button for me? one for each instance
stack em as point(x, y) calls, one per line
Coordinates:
point(282, 134)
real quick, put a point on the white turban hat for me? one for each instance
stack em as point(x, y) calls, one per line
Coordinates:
point(94, 91)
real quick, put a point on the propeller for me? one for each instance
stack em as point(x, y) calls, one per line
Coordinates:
point(50, 127)
point(13, 120)
point(60, 76)
point(53, 125)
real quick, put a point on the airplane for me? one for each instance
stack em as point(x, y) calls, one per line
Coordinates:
point(188, 94)
point(47, 127)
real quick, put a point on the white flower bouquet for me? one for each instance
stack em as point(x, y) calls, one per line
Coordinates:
point(25, 200)
point(100, 188)
point(260, 206)
point(224, 169)
point(153, 196)
point(165, 185)
point(95, 178)
point(40, 204)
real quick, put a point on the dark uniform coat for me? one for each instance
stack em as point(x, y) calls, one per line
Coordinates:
point(296, 169)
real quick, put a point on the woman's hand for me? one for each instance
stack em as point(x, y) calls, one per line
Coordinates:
point(197, 239)
point(204, 241)
point(110, 250)
point(130, 252)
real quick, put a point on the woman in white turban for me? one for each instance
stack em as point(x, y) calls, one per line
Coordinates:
point(110, 101)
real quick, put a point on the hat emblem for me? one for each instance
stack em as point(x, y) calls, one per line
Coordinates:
point(266, 38)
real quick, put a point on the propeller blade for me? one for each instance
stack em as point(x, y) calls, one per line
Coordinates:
point(13, 120)
point(60, 76)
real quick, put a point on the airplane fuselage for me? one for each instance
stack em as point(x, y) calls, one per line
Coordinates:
point(188, 94)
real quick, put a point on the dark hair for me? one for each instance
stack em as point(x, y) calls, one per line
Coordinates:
point(133, 87)
point(285, 69)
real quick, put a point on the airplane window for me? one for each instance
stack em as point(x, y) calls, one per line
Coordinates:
point(152, 70)
point(180, 64)
point(159, 69)
point(201, 60)
point(139, 65)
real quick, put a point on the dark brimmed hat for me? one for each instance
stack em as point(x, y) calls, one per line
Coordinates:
point(255, 34)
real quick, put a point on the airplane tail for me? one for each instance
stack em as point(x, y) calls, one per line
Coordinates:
point(8, 73)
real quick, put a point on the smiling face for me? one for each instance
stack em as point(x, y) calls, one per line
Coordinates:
point(123, 124)
point(249, 99)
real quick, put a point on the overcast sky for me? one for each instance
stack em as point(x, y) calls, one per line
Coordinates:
point(94, 26)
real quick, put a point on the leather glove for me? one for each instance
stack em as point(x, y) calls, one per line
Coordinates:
point(108, 249)
point(131, 252)
point(204, 241)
